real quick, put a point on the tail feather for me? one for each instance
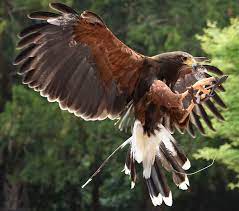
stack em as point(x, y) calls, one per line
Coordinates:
point(181, 158)
point(158, 188)
point(164, 189)
point(179, 176)
point(132, 173)
point(181, 180)
point(155, 196)
point(154, 151)
point(127, 163)
point(130, 168)
point(171, 145)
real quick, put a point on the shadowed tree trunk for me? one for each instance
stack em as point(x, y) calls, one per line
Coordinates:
point(5, 81)
point(5, 66)
point(15, 195)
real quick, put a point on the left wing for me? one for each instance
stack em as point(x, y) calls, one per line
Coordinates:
point(200, 112)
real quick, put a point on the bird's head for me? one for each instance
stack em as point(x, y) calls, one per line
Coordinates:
point(172, 63)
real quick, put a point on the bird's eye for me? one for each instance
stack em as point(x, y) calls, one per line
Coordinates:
point(184, 58)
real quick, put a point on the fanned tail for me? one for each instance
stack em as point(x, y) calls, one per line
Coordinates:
point(154, 152)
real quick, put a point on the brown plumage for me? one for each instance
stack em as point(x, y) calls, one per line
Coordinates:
point(78, 62)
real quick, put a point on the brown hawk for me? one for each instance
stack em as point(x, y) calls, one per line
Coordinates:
point(75, 60)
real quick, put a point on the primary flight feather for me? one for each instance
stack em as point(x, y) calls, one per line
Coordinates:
point(78, 62)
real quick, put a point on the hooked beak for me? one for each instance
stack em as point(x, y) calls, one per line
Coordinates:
point(201, 59)
point(195, 62)
point(191, 62)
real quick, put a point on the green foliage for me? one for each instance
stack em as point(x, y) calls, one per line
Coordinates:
point(40, 143)
point(166, 26)
point(223, 46)
point(60, 152)
point(2, 26)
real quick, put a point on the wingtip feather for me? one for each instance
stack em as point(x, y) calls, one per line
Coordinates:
point(62, 8)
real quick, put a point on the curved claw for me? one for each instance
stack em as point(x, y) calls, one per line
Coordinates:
point(218, 82)
point(204, 89)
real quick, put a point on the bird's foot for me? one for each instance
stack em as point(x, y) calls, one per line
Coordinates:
point(203, 89)
point(201, 85)
point(199, 88)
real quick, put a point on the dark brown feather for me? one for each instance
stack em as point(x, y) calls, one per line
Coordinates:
point(218, 100)
point(213, 69)
point(62, 8)
point(22, 56)
point(29, 39)
point(159, 178)
point(151, 188)
point(41, 15)
point(190, 129)
point(32, 29)
point(133, 171)
point(204, 115)
point(26, 66)
point(198, 123)
point(214, 110)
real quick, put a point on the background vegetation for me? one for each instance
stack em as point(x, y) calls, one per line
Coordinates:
point(47, 154)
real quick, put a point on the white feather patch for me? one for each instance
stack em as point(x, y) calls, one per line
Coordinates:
point(167, 139)
point(126, 170)
point(157, 201)
point(168, 200)
point(144, 148)
point(186, 165)
point(185, 184)
point(54, 21)
point(132, 185)
point(187, 181)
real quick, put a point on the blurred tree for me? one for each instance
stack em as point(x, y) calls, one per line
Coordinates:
point(158, 26)
point(222, 44)
point(48, 150)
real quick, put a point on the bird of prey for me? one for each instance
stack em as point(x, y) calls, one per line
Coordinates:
point(75, 60)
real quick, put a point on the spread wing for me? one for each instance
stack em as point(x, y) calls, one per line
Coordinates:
point(77, 61)
point(200, 112)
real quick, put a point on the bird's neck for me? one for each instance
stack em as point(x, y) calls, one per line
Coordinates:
point(169, 72)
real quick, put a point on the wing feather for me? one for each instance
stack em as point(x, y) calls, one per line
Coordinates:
point(204, 116)
point(190, 129)
point(78, 62)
